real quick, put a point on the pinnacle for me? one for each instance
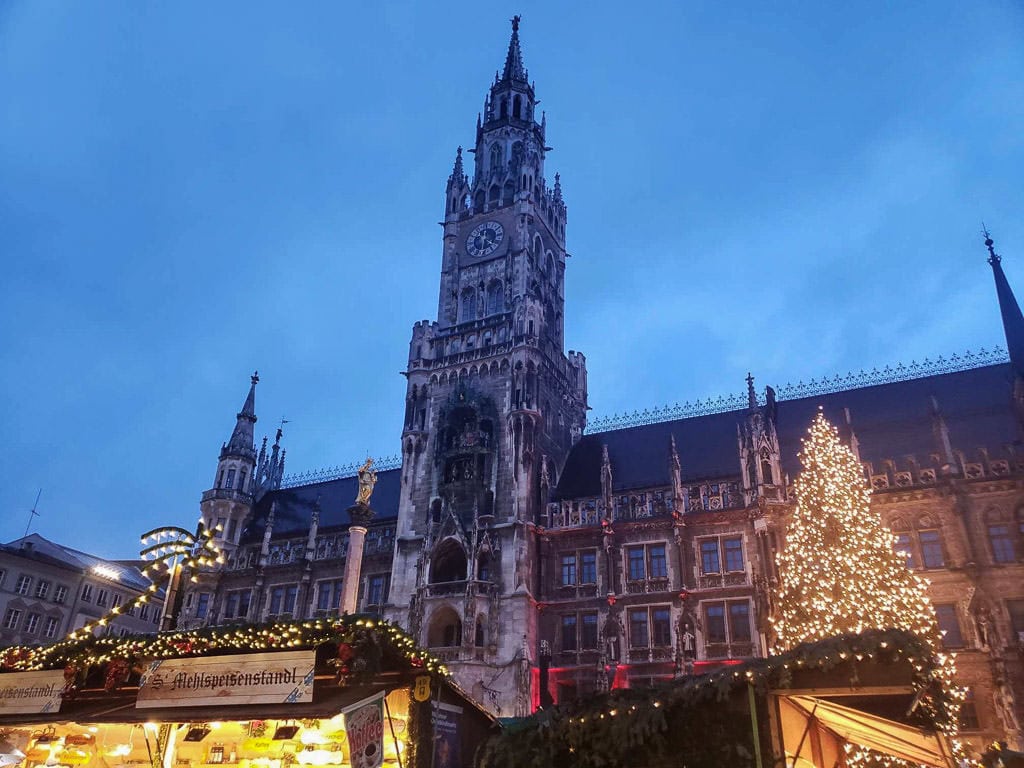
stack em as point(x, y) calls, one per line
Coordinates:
point(514, 69)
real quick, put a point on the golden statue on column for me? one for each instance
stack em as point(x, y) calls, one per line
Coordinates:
point(367, 479)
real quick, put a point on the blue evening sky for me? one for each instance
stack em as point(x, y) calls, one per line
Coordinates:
point(189, 191)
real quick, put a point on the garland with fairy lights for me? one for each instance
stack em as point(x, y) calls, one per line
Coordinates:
point(706, 717)
point(365, 646)
point(840, 571)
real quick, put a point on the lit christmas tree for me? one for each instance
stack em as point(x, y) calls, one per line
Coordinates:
point(840, 572)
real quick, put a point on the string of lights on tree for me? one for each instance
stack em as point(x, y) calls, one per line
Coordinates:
point(840, 572)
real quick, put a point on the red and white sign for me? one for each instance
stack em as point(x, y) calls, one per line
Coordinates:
point(364, 724)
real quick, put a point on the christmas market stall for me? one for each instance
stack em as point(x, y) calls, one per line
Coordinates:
point(353, 692)
point(873, 699)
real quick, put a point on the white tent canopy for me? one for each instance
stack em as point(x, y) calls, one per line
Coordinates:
point(814, 730)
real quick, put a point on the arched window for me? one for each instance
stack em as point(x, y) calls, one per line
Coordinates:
point(495, 298)
point(496, 156)
point(517, 107)
point(508, 193)
point(468, 304)
point(231, 478)
point(449, 564)
point(478, 202)
point(445, 629)
point(495, 194)
point(767, 476)
point(503, 111)
point(480, 638)
point(516, 161)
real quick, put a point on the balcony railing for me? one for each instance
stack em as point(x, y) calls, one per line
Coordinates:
point(467, 587)
point(647, 586)
point(728, 650)
point(231, 494)
point(720, 580)
point(657, 653)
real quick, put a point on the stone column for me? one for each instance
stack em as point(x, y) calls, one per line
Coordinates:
point(360, 515)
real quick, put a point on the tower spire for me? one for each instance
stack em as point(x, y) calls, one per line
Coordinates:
point(242, 442)
point(1013, 319)
point(457, 171)
point(514, 69)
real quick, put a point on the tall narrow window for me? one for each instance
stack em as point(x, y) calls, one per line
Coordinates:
point(588, 632)
point(904, 545)
point(638, 631)
point(1016, 610)
point(23, 585)
point(495, 298)
point(588, 567)
point(231, 478)
point(42, 589)
point(661, 627)
point(709, 556)
point(568, 570)
point(203, 605)
point(377, 589)
point(931, 549)
point(949, 624)
point(569, 633)
point(636, 563)
point(658, 563)
point(739, 622)
point(733, 554)
point(468, 305)
point(50, 630)
point(714, 623)
point(1002, 543)
point(11, 618)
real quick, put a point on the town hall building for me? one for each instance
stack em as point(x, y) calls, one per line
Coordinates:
point(512, 536)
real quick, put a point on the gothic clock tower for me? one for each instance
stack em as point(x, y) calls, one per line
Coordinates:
point(493, 406)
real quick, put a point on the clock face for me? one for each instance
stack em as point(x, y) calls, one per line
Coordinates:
point(484, 239)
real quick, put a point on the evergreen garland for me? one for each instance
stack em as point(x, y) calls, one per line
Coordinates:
point(700, 721)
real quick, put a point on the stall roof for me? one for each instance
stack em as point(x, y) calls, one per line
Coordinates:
point(867, 730)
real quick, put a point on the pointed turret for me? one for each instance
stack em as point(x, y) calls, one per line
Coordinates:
point(1013, 319)
point(514, 69)
point(229, 502)
point(457, 172)
point(242, 443)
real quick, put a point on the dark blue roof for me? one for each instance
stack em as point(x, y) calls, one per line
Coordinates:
point(294, 508)
point(891, 421)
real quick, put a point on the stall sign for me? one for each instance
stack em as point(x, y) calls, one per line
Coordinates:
point(447, 753)
point(24, 693)
point(256, 678)
point(364, 724)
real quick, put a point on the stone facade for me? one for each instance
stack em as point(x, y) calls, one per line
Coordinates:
point(507, 536)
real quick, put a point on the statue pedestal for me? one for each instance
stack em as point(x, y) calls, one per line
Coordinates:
point(360, 515)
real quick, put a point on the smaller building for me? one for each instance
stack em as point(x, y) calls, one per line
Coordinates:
point(48, 590)
point(353, 692)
